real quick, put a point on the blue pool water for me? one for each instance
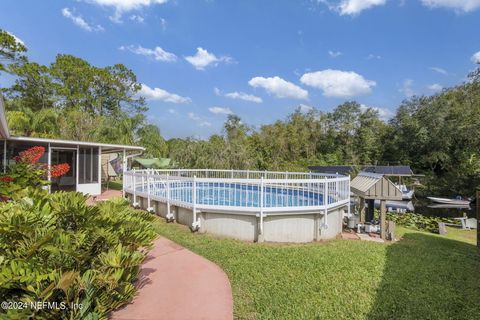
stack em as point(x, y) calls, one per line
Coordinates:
point(239, 195)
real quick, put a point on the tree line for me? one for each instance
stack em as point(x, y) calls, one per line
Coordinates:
point(437, 135)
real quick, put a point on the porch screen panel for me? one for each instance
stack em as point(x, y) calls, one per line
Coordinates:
point(88, 165)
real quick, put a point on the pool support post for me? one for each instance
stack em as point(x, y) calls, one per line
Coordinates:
point(135, 203)
point(169, 216)
point(149, 201)
point(261, 237)
point(325, 203)
point(196, 222)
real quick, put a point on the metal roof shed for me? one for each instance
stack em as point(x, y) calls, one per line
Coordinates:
point(370, 186)
point(374, 186)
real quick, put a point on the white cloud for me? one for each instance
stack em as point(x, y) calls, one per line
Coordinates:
point(383, 113)
point(137, 18)
point(435, 87)
point(407, 88)
point(220, 110)
point(199, 120)
point(122, 6)
point(352, 7)
point(156, 53)
point(238, 95)
point(172, 111)
point(457, 5)
point(279, 87)
point(476, 57)
point(439, 70)
point(203, 58)
point(334, 54)
point(80, 22)
point(243, 96)
point(163, 24)
point(162, 95)
point(337, 83)
point(374, 56)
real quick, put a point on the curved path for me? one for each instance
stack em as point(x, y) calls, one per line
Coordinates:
point(177, 284)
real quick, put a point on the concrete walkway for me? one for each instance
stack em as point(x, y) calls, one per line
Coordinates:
point(106, 194)
point(177, 284)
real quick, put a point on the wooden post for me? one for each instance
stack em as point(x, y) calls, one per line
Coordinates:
point(391, 230)
point(383, 213)
point(362, 210)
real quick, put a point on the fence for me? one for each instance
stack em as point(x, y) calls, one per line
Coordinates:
point(239, 190)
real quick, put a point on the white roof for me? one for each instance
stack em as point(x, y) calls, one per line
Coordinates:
point(105, 146)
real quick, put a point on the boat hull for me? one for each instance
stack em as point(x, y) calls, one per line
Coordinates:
point(449, 201)
point(396, 205)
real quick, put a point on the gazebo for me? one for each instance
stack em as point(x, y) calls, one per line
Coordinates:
point(374, 186)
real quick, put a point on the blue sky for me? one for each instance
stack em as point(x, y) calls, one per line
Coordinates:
point(200, 60)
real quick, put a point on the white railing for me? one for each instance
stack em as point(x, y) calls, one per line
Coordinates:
point(240, 174)
point(244, 191)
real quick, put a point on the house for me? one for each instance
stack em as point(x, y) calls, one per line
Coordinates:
point(84, 158)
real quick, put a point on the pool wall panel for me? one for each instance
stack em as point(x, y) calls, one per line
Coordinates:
point(335, 218)
point(289, 228)
point(184, 216)
point(160, 208)
point(241, 227)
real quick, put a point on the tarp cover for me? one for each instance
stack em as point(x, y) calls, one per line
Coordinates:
point(154, 163)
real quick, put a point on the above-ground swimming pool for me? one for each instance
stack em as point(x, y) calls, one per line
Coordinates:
point(226, 202)
point(238, 195)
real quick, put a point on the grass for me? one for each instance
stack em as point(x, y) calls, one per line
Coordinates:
point(422, 276)
point(114, 185)
point(462, 235)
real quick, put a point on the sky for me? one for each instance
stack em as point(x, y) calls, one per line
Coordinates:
point(200, 60)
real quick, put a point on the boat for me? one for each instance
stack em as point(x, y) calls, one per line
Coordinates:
point(393, 205)
point(407, 194)
point(449, 201)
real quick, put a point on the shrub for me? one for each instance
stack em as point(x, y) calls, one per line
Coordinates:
point(27, 172)
point(417, 221)
point(55, 248)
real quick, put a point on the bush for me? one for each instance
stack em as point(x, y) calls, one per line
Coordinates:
point(56, 249)
point(417, 221)
point(27, 172)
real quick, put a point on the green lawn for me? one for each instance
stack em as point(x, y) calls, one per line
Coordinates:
point(114, 185)
point(422, 276)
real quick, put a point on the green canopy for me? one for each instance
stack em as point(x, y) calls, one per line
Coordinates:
point(154, 163)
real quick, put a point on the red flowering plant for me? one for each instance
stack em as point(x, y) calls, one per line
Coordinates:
point(27, 172)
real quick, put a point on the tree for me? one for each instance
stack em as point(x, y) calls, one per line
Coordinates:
point(150, 138)
point(11, 50)
point(34, 87)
